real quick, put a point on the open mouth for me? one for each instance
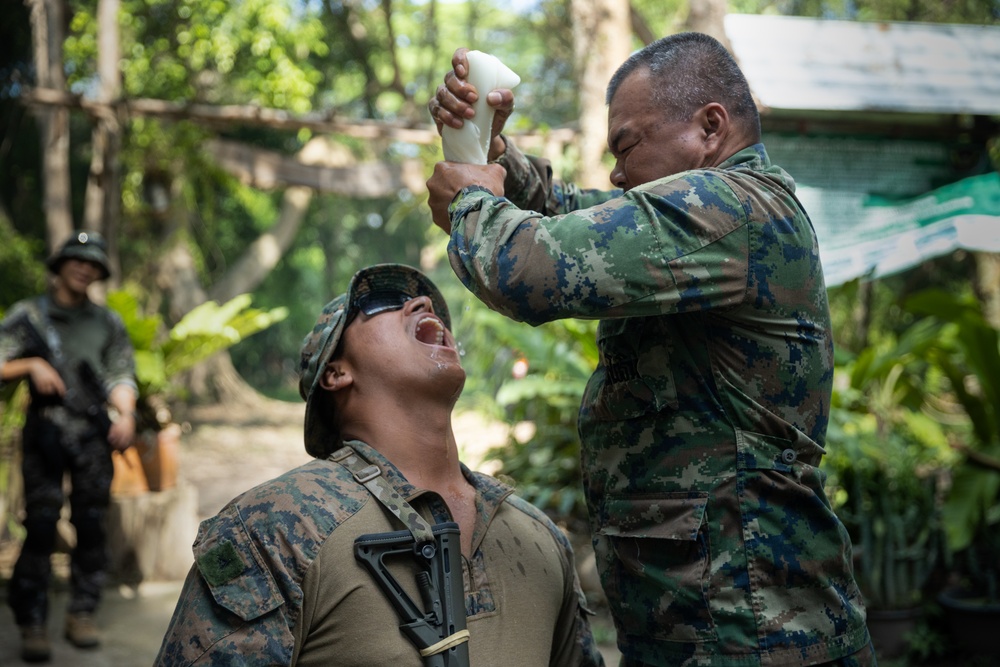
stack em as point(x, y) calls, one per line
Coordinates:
point(430, 331)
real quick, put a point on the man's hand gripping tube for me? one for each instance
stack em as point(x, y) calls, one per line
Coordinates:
point(471, 143)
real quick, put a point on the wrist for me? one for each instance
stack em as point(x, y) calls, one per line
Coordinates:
point(119, 413)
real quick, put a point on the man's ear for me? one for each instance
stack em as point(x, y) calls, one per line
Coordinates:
point(336, 376)
point(714, 121)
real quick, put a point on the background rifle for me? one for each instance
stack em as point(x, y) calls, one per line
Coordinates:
point(86, 394)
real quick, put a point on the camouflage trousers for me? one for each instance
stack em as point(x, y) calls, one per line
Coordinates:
point(51, 452)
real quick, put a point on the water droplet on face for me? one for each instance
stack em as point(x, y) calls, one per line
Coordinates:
point(436, 357)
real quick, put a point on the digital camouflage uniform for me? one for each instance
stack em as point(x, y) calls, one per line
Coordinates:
point(60, 437)
point(704, 422)
point(276, 582)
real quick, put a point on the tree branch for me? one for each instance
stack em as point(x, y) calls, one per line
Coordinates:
point(223, 117)
point(639, 25)
point(979, 458)
point(269, 169)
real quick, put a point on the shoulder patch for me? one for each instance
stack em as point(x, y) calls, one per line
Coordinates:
point(221, 564)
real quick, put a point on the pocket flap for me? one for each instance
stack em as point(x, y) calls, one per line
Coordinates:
point(676, 516)
point(225, 559)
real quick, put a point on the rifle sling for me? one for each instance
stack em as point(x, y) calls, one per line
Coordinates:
point(371, 476)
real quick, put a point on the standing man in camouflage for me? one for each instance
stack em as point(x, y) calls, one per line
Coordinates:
point(78, 360)
point(278, 577)
point(704, 422)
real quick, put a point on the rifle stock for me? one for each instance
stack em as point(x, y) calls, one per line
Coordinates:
point(442, 616)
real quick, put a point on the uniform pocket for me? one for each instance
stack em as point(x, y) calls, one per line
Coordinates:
point(795, 543)
point(227, 565)
point(634, 378)
point(655, 556)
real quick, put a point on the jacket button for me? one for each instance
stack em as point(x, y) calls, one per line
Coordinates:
point(788, 456)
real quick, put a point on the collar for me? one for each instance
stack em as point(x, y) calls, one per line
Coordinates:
point(490, 492)
point(751, 157)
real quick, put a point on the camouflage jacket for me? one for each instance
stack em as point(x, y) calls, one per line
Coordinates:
point(275, 580)
point(704, 423)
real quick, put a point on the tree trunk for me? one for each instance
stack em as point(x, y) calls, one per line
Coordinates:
point(177, 277)
point(214, 380)
point(708, 16)
point(602, 41)
point(264, 253)
point(250, 270)
point(47, 20)
point(102, 205)
point(641, 28)
point(987, 285)
point(225, 117)
point(266, 169)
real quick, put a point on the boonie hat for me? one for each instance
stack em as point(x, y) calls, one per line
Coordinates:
point(318, 347)
point(86, 246)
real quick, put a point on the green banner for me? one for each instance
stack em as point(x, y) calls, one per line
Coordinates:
point(886, 237)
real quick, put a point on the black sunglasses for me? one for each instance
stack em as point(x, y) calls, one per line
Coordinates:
point(373, 303)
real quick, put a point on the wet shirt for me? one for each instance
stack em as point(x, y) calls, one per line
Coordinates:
point(276, 581)
point(703, 424)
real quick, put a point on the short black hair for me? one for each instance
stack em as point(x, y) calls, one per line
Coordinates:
point(690, 70)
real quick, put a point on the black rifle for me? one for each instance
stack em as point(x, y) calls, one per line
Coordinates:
point(442, 615)
point(86, 394)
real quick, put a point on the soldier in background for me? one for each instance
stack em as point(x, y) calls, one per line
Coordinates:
point(278, 579)
point(703, 425)
point(78, 360)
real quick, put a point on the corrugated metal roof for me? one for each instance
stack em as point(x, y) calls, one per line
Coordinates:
point(817, 64)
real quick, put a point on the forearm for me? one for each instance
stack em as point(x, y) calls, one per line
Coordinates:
point(529, 180)
point(43, 377)
point(122, 432)
point(15, 369)
point(645, 253)
point(123, 398)
point(482, 226)
point(536, 269)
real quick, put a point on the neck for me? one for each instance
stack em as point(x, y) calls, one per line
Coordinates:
point(730, 148)
point(65, 296)
point(417, 437)
point(419, 442)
